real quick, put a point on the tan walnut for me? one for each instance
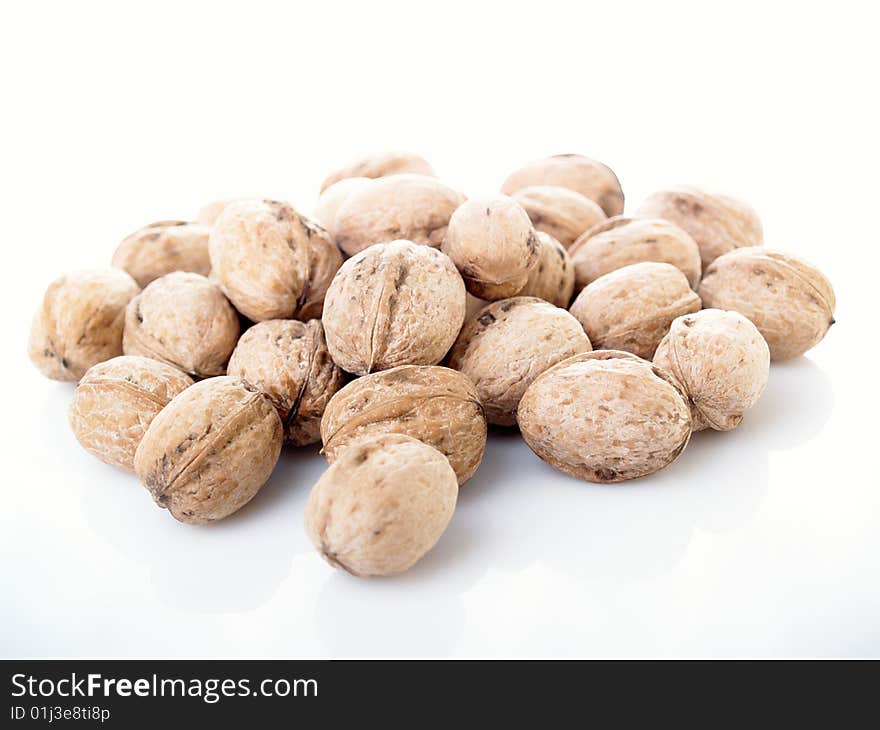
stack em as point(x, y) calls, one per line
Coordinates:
point(331, 200)
point(605, 416)
point(163, 247)
point(288, 361)
point(508, 344)
point(552, 276)
point(210, 450)
point(721, 362)
point(391, 163)
point(381, 505)
point(115, 402)
point(433, 404)
point(631, 308)
point(559, 212)
point(789, 300)
point(79, 322)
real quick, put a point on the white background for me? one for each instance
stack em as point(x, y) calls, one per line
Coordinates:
point(763, 541)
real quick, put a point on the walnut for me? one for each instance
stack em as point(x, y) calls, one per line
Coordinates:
point(288, 361)
point(552, 276)
point(591, 179)
point(382, 505)
point(790, 301)
point(631, 308)
point(510, 343)
point(210, 450)
point(433, 404)
point(392, 163)
point(184, 320)
point(392, 304)
point(270, 261)
point(79, 322)
point(116, 400)
point(331, 200)
point(605, 416)
point(163, 247)
point(559, 212)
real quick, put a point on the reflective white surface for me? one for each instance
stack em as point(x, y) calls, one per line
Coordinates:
point(762, 541)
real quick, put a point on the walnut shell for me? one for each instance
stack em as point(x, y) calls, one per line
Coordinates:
point(270, 261)
point(184, 320)
point(721, 362)
point(621, 241)
point(163, 247)
point(209, 213)
point(392, 163)
point(433, 404)
point(382, 505)
point(331, 200)
point(789, 301)
point(559, 212)
point(393, 304)
point(605, 416)
point(632, 308)
point(115, 402)
point(717, 223)
point(591, 179)
point(411, 207)
point(210, 450)
point(552, 276)
point(492, 243)
point(79, 322)
point(509, 344)
point(289, 363)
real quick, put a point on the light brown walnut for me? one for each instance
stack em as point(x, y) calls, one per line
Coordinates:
point(559, 212)
point(163, 247)
point(331, 200)
point(376, 166)
point(552, 276)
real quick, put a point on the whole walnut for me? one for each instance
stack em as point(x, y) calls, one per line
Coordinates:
point(79, 322)
point(559, 212)
point(492, 243)
point(433, 404)
point(717, 223)
point(410, 207)
point(210, 450)
point(209, 213)
point(163, 247)
point(332, 199)
point(289, 363)
point(605, 416)
point(509, 344)
point(721, 362)
point(632, 308)
point(116, 400)
point(591, 179)
point(270, 261)
point(789, 301)
point(392, 304)
point(382, 505)
point(552, 276)
point(621, 241)
point(184, 320)
point(392, 163)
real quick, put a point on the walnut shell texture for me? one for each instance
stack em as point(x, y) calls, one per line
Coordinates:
point(559, 212)
point(492, 243)
point(789, 300)
point(632, 308)
point(509, 344)
point(184, 320)
point(331, 200)
point(393, 304)
point(210, 450)
point(410, 207)
point(605, 416)
point(434, 404)
point(384, 165)
point(621, 241)
point(115, 402)
point(163, 247)
point(79, 322)
point(721, 362)
point(270, 261)
point(382, 505)
point(591, 179)
point(717, 223)
point(289, 363)
point(552, 276)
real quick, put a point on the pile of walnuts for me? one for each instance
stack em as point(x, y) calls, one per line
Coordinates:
point(405, 318)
